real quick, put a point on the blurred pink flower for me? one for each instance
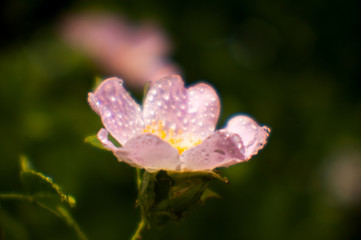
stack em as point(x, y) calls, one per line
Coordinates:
point(137, 53)
point(176, 128)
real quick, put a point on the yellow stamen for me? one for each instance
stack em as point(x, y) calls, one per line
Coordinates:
point(177, 139)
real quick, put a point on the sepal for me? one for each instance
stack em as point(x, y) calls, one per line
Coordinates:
point(94, 141)
point(167, 196)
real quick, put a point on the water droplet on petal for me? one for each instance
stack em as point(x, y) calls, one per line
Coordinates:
point(166, 96)
point(107, 113)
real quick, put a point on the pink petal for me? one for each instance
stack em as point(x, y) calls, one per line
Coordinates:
point(103, 138)
point(203, 110)
point(220, 149)
point(253, 136)
point(137, 52)
point(120, 114)
point(150, 152)
point(166, 101)
point(194, 111)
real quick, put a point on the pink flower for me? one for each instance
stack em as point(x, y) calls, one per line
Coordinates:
point(137, 53)
point(175, 130)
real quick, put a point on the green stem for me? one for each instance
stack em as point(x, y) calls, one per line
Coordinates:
point(139, 178)
point(63, 213)
point(16, 196)
point(143, 222)
point(141, 227)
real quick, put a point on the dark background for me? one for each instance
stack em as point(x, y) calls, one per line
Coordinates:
point(293, 65)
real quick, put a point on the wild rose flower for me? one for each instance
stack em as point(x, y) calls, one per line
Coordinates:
point(137, 53)
point(175, 129)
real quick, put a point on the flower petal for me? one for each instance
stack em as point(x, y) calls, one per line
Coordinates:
point(103, 138)
point(194, 111)
point(120, 114)
point(253, 136)
point(203, 110)
point(166, 101)
point(150, 152)
point(220, 149)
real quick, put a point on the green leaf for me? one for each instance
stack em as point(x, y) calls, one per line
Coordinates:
point(46, 194)
point(41, 187)
point(93, 140)
point(97, 81)
point(208, 193)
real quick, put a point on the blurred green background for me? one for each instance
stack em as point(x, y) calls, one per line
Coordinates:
point(293, 65)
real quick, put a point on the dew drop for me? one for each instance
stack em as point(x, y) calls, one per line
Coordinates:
point(107, 113)
point(166, 96)
point(172, 126)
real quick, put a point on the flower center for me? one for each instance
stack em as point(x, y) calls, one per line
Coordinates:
point(177, 139)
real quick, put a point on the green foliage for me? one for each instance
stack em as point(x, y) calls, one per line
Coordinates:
point(94, 141)
point(167, 196)
point(42, 188)
point(43, 192)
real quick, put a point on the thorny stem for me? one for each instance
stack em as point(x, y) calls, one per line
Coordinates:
point(28, 198)
point(143, 221)
point(141, 227)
